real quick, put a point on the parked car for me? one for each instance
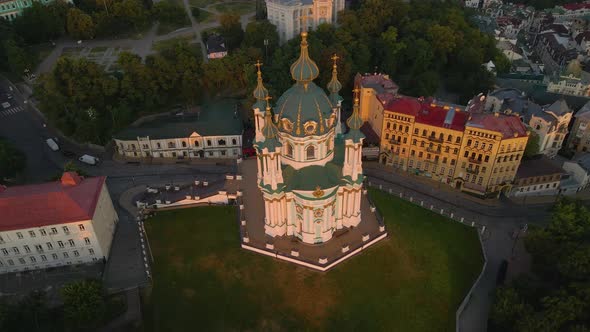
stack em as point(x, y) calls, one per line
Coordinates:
point(88, 159)
point(52, 144)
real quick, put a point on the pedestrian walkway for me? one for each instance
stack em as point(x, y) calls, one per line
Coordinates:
point(11, 111)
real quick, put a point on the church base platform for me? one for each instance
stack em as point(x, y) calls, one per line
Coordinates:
point(345, 243)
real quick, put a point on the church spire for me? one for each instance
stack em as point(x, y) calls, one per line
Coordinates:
point(334, 85)
point(270, 130)
point(304, 70)
point(355, 122)
point(260, 93)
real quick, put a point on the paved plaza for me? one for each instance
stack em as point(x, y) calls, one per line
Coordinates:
point(331, 250)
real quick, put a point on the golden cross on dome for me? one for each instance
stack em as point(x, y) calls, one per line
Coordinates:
point(304, 20)
point(258, 64)
point(267, 98)
point(355, 92)
point(335, 57)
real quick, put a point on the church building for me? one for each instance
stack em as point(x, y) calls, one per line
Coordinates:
point(309, 172)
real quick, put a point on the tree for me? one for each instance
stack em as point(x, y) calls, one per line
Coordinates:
point(80, 24)
point(12, 161)
point(259, 31)
point(532, 145)
point(18, 58)
point(168, 12)
point(41, 22)
point(84, 305)
point(231, 30)
point(130, 13)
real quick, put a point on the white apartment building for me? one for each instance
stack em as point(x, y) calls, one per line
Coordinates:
point(70, 221)
point(215, 132)
point(569, 85)
point(291, 17)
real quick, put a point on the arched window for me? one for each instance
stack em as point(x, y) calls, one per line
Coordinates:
point(196, 144)
point(234, 141)
point(183, 144)
point(289, 150)
point(538, 127)
point(310, 152)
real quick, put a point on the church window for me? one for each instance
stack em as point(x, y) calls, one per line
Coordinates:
point(310, 152)
point(289, 150)
point(221, 142)
point(183, 144)
point(196, 144)
point(234, 141)
point(171, 145)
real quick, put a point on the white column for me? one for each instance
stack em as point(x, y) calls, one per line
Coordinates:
point(267, 212)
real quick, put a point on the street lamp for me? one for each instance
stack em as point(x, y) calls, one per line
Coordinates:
point(266, 49)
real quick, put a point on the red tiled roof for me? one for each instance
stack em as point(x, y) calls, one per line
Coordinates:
point(424, 111)
point(509, 125)
point(49, 203)
point(576, 6)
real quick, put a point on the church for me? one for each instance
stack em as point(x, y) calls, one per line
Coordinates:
point(309, 172)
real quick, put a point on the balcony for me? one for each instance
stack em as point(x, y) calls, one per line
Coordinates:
point(431, 150)
point(435, 139)
point(474, 161)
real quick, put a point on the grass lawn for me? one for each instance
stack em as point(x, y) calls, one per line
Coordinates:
point(206, 16)
point(412, 281)
point(239, 8)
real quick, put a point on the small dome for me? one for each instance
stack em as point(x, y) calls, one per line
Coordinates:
point(304, 69)
point(302, 104)
point(260, 93)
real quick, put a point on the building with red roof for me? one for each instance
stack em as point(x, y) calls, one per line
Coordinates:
point(70, 221)
point(465, 147)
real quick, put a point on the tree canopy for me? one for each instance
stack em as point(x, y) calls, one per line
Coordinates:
point(556, 297)
point(532, 145)
point(12, 160)
point(84, 305)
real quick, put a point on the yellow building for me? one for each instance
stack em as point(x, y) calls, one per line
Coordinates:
point(466, 149)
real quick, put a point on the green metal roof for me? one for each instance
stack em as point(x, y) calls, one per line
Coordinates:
point(302, 103)
point(308, 178)
point(218, 118)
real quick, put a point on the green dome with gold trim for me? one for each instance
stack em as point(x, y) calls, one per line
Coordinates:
point(304, 69)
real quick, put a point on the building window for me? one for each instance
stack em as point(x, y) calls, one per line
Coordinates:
point(32, 234)
point(183, 144)
point(223, 152)
point(76, 253)
point(196, 144)
point(91, 251)
point(289, 150)
point(54, 256)
point(72, 243)
point(208, 142)
point(466, 154)
point(33, 259)
point(458, 140)
point(10, 262)
point(44, 258)
point(4, 251)
point(221, 142)
point(420, 154)
point(49, 246)
point(27, 249)
point(60, 244)
point(310, 152)
point(19, 235)
point(21, 260)
point(159, 145)
point(234, 141)
point(416, 131)
point(86, 240)
point(66, 255)
point(15, 250)
point(39, 248)
point(81, 227)
point(43, 232)
point(210, 153)
point(66, 229)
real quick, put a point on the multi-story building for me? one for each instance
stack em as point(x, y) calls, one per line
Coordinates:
point(292, 17)
point(579, 139)
point(473, 152)
point(10, 9)
point(214, 132)
point(70, 221)
point(537, 177)
point(569, 85)
point(376, 90)
point(550, 122)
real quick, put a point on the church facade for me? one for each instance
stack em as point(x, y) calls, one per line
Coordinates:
point(309, 172)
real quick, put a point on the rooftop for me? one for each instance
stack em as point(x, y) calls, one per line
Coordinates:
point(71, 199)
point(384, 87)
point(215, 44)
point(219, 118)
point(430, 112)
point(509, 126)
point(537, 167)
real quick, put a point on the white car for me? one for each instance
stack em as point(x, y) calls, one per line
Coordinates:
point(52, 144)
point(88, 159)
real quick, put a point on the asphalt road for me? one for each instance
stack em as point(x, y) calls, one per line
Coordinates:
point(25, 130)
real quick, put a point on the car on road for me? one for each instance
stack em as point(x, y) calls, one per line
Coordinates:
point(52, 144)
point(88, 159)
point(5, 105)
